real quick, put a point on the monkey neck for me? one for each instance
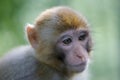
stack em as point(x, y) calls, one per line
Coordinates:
point(58, 67)
point(69, 75)
point(62, 71)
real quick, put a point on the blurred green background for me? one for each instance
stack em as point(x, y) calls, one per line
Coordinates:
point(103, 16)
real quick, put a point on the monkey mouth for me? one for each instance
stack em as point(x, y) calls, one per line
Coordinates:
point(81, 64)
point(77, 68)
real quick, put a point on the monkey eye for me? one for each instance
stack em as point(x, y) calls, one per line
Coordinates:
point(67, 40)
point(83, 35)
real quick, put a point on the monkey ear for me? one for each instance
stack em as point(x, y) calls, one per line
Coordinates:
point(32, 36)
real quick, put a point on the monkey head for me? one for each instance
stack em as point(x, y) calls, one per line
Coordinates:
point(61, 39)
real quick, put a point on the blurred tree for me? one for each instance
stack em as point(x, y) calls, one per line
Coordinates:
point(10, 26)
point(117, 10)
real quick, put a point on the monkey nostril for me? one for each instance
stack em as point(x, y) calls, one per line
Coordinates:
point(80, 57)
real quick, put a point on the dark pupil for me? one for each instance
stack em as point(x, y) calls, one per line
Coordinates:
point(82, 36)
point(67, 41)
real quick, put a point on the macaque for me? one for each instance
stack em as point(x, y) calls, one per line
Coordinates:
point(60, 46)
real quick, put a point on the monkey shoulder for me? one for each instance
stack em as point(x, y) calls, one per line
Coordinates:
point(18, 64)
point(21, 64)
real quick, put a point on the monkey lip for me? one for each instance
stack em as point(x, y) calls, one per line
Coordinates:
point(77, 65)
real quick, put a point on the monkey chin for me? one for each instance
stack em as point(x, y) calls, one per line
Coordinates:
point(77, 68)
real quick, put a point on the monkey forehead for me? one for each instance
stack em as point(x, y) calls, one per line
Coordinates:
point(62, 17)
point(70, 18)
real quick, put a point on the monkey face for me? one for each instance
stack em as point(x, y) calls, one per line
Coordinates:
point(61, 39)
point(73, 48)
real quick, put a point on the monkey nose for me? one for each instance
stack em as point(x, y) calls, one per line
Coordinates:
point(82, 58)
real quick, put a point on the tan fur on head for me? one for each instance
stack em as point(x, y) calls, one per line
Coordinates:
point(62, 18)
